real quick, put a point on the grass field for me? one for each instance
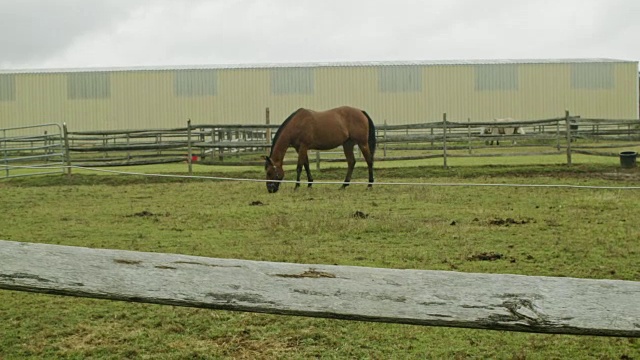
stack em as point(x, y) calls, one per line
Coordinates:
point(555, 231)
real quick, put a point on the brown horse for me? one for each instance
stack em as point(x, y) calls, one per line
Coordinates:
point(321, 130)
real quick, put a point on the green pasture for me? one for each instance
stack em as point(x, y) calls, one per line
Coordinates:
point(553, 231)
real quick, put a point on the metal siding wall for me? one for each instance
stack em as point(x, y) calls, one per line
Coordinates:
point(450, 89)
point(595, 101)
point(496, 77)
point(7, 87)
point(200, 82)
point(147, 98)
point(626, 98)
point(244, 95)
point(144, 99)
point(337, 86)
point(89, 85)
point(353, 86)
point(292, 81)
point(398, 104)
point(360, 87)
point(592, 76)
point(40, 98)
point(544, 91)
point(406, 78)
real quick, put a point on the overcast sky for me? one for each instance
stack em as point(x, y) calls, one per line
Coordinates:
point(127, 33)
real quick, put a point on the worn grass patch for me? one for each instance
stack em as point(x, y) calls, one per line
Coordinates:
point(534, 231)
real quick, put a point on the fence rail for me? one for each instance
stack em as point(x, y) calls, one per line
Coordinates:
point(25, 154)
point(228, 144)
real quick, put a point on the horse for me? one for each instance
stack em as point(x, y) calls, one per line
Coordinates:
point(501, 130)
point(306, 130)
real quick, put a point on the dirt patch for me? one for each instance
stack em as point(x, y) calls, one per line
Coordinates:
point(145, 214)
point(485, 256)
point(360, 215)
point(623, 175)
point(256, 203)
point(509, 221)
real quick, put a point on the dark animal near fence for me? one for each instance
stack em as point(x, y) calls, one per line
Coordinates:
point(307, 130)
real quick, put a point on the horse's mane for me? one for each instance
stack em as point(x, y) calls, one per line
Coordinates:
point(281, 128)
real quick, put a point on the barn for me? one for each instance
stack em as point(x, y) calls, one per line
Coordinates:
point(401, 92)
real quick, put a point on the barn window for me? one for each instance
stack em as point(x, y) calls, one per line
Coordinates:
point(592, 76)
point(7, 87)
point(89, 85)
point(292, 81)
point(496, 77)
point(400, 79)
point(196, 82)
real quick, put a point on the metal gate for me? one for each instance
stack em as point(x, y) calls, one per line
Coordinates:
point(31, 150)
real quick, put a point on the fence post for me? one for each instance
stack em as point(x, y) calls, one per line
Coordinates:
point(47, 150)
point(317, 160)
point(128, 143)
point(469, 133)
point(568, 126)
point(189, 147)
point(384, 136)
point(432, 137)
point(268, 132)
point(67, 156)
point(444, 139)
point(558, 135)
point(221, 149)
point(214, 140)
point(4, 153)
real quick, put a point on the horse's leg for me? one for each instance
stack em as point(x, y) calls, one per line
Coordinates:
point(368, 157)
point(351, 162)
point(306, 168)
point(303, 160)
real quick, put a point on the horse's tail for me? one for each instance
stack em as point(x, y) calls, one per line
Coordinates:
point(372, 134)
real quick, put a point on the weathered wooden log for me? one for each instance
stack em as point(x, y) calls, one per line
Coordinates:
point(421, 297)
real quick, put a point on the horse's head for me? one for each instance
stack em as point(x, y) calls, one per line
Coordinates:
point(275, 173)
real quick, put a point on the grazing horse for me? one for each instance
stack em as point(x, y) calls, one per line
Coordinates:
point(501, 130)
point(306, 130)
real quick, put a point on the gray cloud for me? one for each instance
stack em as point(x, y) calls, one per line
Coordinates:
point(82, 33)
point(36, 29)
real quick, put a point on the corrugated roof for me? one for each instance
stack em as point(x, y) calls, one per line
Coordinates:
point(318, 65)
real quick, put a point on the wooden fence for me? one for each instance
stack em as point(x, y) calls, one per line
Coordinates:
point(227, 144)
point(421, 297)
point(241, 144)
